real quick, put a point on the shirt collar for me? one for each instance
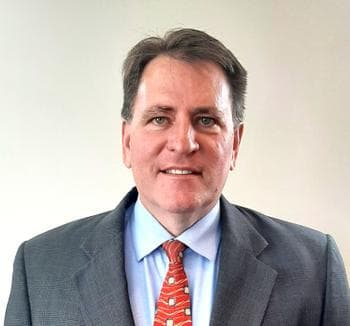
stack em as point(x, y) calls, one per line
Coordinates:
point(148, 234)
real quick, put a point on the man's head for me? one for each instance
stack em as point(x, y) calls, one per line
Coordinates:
point(179, 137)
point(188, 45)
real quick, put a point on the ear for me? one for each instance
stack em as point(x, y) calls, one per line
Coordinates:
point(126, 144)
point(237, 136)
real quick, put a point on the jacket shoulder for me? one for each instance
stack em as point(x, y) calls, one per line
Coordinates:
point(67, 234)
point(62, 250)
point(57, 253)
point(276, 230)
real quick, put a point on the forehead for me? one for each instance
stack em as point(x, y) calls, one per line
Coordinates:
point(167, 66)
point(189, 83)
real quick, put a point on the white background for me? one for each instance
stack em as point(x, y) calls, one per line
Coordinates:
point(60, 99)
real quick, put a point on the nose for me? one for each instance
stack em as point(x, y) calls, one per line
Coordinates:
point(182, 138)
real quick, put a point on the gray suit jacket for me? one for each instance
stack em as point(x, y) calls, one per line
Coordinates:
point(271, 273)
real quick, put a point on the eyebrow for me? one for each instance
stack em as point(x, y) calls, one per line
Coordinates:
point(206, 110)
point(155, 110)
point(159, 108)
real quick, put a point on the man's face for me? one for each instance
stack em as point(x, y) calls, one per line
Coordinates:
point(181, 142)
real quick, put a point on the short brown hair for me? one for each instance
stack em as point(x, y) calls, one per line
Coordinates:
point(188, 45)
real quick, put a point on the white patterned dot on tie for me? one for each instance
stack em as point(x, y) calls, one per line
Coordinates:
point(169, 322)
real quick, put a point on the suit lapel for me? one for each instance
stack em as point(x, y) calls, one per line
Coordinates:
point(101, 283)
point(244, 282)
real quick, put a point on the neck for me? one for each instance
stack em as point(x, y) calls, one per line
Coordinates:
point(177, 222)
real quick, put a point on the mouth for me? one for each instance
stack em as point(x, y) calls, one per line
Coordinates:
point(174, 171)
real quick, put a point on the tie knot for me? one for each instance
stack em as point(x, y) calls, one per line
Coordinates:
point(174, 250)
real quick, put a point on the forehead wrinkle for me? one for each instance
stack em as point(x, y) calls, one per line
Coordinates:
point(172, 86)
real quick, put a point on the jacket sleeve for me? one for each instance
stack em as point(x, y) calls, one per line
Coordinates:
point(337, 296)
point(18, 307)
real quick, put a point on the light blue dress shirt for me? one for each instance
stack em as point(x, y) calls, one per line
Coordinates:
point(146, 263)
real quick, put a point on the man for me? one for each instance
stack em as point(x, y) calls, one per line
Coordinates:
point(183, 112)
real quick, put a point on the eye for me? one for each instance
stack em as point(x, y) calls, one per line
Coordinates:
point(206, 121)
point(159, 121)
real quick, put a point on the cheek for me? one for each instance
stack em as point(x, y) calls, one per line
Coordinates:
point(218, 161)
point(223, 152)
point(139, 156)
point(143, 150)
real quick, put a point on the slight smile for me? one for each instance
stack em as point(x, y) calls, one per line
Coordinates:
point(174, 171)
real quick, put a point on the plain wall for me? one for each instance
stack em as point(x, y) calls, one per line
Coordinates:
point(60, 100)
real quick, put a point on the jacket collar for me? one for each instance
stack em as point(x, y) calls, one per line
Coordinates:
point(101, 283)
point(244, 282)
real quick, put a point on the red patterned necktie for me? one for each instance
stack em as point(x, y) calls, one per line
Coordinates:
point(174, 306)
